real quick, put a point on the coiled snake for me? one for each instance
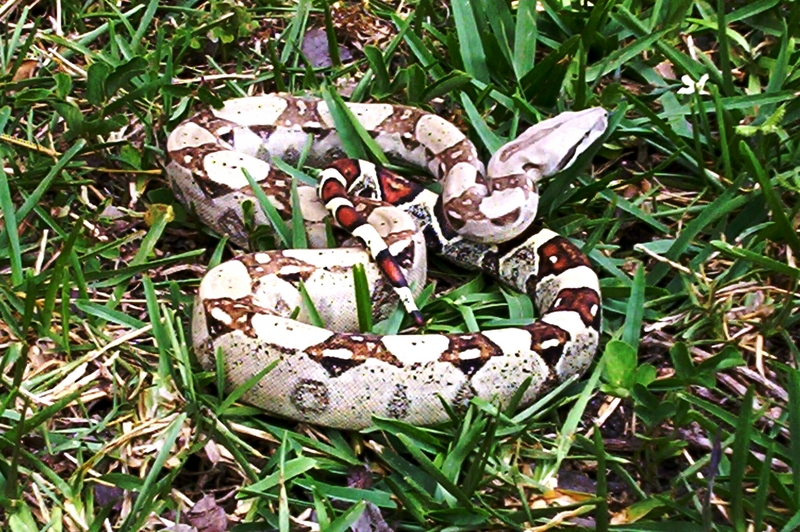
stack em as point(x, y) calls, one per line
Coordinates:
point(246, 309)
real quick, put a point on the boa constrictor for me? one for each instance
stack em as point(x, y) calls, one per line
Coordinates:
point(247, 308)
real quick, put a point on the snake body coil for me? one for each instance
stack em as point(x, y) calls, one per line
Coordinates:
point(482, 220)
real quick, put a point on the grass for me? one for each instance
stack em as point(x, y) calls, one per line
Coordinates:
point(690, 420)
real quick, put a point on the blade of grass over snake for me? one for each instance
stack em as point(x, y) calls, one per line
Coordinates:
point(356, 141)
point(296, 174)
point(363, 299)
point(299, 240)
point(238, 392)
point(282, 231)
point(314, 317)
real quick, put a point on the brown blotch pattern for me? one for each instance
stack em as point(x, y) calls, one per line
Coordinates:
point(240, 312)
point(395, 189)
point(542, 332)
point(299, 270)
point(460, 152)
point(580, 300)
point(360, 346)
point(465, 208)
point(470, 342)
point(567, 256)
point(299, 111)
point(507, 219)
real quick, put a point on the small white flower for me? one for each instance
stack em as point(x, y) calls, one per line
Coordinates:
point(691, 87)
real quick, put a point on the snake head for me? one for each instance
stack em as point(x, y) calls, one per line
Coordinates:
point(549, 146)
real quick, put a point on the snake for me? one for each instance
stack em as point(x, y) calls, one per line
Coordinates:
point(252, 318)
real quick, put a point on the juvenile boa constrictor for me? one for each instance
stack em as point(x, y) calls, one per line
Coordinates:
point(247, 308)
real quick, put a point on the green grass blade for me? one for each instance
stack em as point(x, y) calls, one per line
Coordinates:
point(741, 445)
point(570, 427)
point(724, 50)
point(363, 299)
point(11, 229)
point(314, 317)
point(793, 411)
point(356, 141)
point(379, 70)
point(635, 310)
point(282, 231)
point(433, 470)
point(144, 24)
point(784, 226)
point(756, 258)
point(470, 45)
point(526, 34)
point(299, 240)
point(345, 521)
